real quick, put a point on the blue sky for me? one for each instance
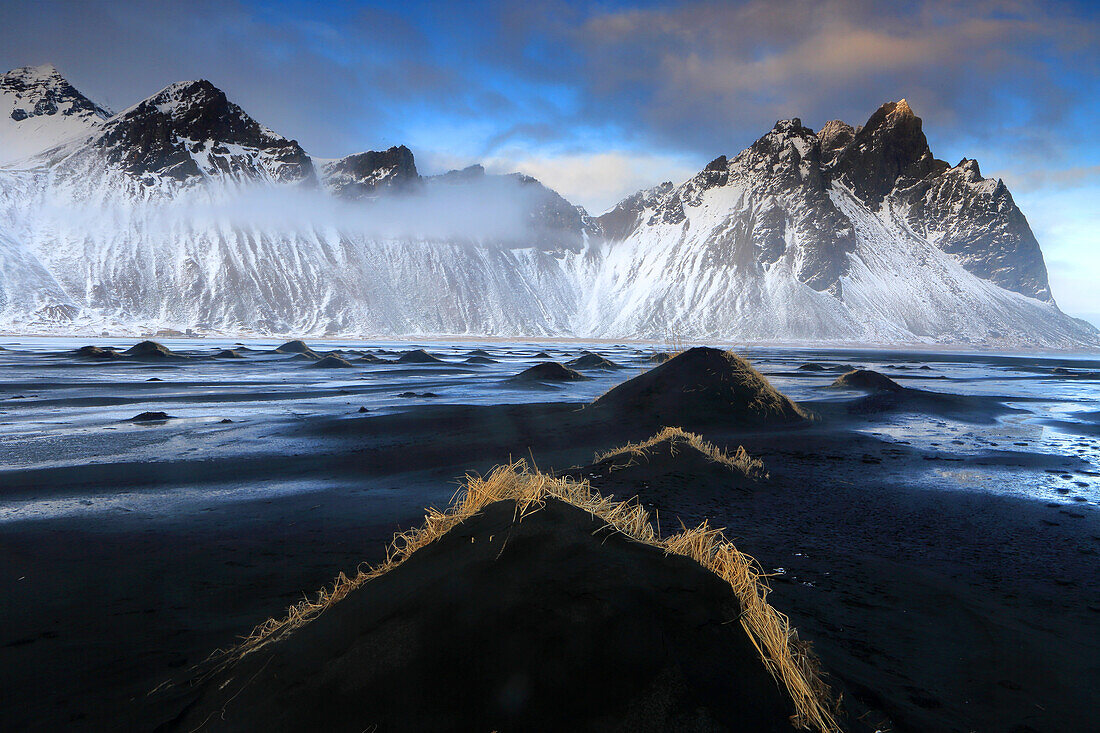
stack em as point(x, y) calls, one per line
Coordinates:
point(601, 99)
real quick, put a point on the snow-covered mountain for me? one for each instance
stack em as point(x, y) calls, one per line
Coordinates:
point(845, 234)
point(39, 109)
point(182, 212)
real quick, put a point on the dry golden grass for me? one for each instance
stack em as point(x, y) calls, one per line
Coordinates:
point(677, 439)
point(788, 659)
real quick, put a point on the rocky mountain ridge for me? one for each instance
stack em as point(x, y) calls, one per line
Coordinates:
point(134, 220)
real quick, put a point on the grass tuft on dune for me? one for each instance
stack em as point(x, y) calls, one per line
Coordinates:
point(674, 440)
point(787, 658)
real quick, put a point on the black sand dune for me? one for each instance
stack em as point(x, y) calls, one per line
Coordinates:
point(419, 356)
point(229, 354)
point(819, 367)
point(542, 355)
point(152, 351)
point(589, 360)
point(886, 395)
point(297, 346)
point(477, 359)
point(369, 358)
point(103, 353)
point(478, 352)
point(549, 371)
point(659, 357)
point(701, 386)
point(331, 362)
point(151, 417)
point(867, 380)
point(512, 624)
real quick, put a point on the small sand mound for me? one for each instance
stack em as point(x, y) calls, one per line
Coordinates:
point(701, 386)
point(548, 371)
point(659, 357)
point(369, 358)
point(228, 354)
point(541, 355)
point(589, 360)
point(151, 350)
point(678, 460)
point(98, 352)
point(419, 356)
point(151, 417)
point(813, 367)
point(478, 352)
point(331, 362)
point(297, 346)
point(481, 360)
point(518, 609)
point(867, 380)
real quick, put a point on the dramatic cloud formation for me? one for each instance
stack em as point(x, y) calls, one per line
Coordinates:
point(601, 99)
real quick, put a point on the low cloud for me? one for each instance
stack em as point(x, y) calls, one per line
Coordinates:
point(598, 181)
point(489, 210)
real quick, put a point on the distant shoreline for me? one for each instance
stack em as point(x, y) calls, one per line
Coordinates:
point(894, 348)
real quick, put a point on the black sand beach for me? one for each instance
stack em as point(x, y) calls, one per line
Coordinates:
point(933, 605)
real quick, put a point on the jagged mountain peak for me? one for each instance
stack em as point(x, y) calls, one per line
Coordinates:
point(41, 72)
point(460, 175)
point(784, 190)
point(40, 109)
point(191, 130)
point(889, 149)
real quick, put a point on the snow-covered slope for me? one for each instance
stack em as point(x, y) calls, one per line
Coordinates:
point(182, 212)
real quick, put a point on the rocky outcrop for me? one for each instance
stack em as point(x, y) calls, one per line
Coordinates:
point(366, 174)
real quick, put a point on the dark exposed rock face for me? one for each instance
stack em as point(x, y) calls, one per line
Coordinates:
point(169, 134)
point(890, 149)
point(367, 173)
point(834, 137)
